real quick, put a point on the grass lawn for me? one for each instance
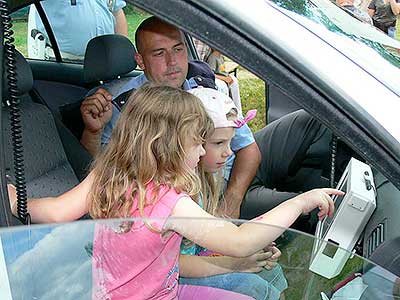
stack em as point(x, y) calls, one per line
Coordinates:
point(302, 283)
point(20, 29)
point(252, 94)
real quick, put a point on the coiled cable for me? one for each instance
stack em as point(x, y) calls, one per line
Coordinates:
point(15, 115)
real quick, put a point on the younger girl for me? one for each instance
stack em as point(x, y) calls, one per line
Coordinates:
point(148, 171)
point(258, 276)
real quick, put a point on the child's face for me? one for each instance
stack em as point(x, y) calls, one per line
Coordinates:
point(193, 151)
point(217, 149)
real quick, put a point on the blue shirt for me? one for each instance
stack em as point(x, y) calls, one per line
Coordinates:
point(242, 138)
point(75, 25)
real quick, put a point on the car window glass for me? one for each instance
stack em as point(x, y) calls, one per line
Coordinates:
point(246, 89)
point(20, 28)
point(61, 261)
point(338, 20)
point(71, 28)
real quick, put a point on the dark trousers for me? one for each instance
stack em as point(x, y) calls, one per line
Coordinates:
point(384, 26)
point(294, 150)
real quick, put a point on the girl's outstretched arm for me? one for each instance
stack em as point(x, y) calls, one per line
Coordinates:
point(64, 208)
point(225, 237)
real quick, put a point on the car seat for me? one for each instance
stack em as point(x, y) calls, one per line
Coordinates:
point(107, 58)
point(54, 159)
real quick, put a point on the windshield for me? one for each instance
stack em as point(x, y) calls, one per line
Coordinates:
point(61, 262)
point(342, 21)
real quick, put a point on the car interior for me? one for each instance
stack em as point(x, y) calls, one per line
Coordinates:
point(50, 93)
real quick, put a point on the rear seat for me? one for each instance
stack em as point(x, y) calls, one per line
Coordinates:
point(55, 161)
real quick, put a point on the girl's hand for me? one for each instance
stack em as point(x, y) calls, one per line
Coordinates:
point(256, 262)
point(318, 198)
point(273, 260)
point(12, 195)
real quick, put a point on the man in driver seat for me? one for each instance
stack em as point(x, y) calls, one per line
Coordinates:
point(162, 55)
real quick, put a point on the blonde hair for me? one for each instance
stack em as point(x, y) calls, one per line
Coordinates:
point(147, 146)
point(212, 184)
point(211, 191)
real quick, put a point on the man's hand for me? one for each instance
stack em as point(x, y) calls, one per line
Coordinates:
point(96, 111)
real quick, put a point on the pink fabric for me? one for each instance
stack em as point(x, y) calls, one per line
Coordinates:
point(194, 292)
point(251, 114)
point(138, 264)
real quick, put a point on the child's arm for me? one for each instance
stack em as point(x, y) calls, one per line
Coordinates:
point(224, 237)
point(203, 266)
point(66, 207)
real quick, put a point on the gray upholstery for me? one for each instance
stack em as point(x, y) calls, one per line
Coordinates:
point(103, 58)
point(47, 169)
point(48, 172)
point(24, 82)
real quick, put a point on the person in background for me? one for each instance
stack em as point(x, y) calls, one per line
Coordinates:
point(76, 22)
point(397, 28)
point(217, 63)
point(384, 14)
point(203, 50)
point(355, 11)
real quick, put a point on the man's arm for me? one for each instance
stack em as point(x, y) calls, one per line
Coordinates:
point(243, 171)
point(121, 25)
point(91, 141)
point(96, 111)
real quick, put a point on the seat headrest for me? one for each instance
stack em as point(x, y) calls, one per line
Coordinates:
point(107, 57)
point(23, 75)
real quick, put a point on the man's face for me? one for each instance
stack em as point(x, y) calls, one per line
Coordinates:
point(163, 56)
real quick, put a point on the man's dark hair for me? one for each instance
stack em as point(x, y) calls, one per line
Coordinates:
point(148, 24)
